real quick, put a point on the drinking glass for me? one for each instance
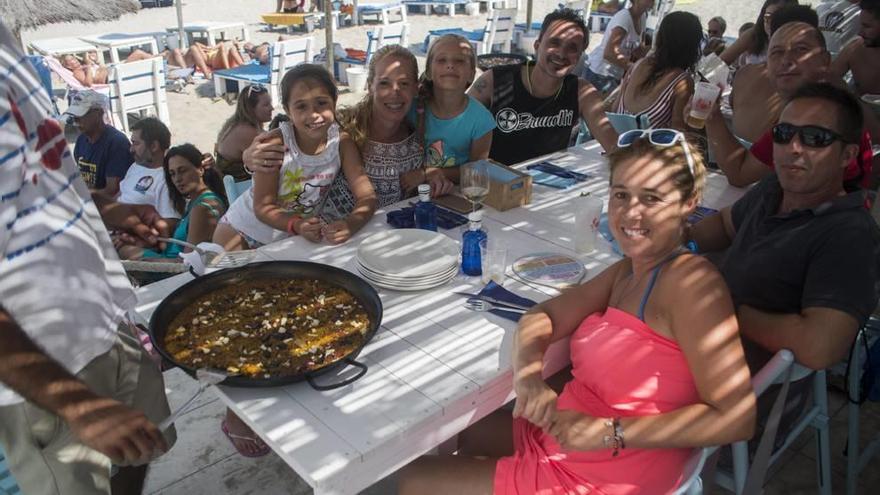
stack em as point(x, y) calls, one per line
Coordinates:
point(475, 183)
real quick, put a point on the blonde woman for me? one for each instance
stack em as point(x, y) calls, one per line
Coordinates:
point(392, 150)
point(253, 110)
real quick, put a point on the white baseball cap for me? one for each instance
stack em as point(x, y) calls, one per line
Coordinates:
point(83, 101)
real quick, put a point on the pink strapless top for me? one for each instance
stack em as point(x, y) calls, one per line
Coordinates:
point(621, 367)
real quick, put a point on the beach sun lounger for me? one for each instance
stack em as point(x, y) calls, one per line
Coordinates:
point(138, 88)
point(382, 11)
point(498, 32)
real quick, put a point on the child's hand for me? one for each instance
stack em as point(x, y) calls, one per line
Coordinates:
point(409, 181)
point(310, 228)
point(337, 232)
point(440, 185)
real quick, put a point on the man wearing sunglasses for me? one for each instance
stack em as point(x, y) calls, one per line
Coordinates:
point(802, 253)
point(796, 56)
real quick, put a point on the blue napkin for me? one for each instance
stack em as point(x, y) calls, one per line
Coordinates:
point(549, 168)
point(404, 218)
point(496, 291)
point(550, 180)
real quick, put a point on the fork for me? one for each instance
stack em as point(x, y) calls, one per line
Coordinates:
point(480, 305)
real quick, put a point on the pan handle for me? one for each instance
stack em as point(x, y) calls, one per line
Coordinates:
point(347, 381)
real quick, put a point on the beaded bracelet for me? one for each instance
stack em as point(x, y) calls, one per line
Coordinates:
point(614, 441)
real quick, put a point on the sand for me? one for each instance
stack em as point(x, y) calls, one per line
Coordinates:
point(196, 116)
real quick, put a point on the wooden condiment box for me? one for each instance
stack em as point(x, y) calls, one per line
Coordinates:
point(508, 188)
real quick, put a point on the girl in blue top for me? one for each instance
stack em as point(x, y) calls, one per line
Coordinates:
point(199, 197)
point(457, 128)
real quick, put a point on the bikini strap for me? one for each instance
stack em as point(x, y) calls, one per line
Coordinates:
point(654, 274)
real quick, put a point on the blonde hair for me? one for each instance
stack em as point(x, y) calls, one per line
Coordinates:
point(244, 112)
point(426, 82)
point(356, 119)
point(689, 183)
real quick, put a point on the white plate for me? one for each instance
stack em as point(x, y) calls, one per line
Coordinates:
point(395, 278)
point(406, 282)
point(408, 253)
point(413, 288)
point(871, 99)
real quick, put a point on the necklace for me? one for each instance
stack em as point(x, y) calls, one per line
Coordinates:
point(529, 82)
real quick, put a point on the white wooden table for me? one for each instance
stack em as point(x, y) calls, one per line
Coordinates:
point(434, 367)
point(212, 29)
point(113, 42)
point(64, 46)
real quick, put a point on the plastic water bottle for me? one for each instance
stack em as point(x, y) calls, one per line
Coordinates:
point(472, 242)
point(426, 211)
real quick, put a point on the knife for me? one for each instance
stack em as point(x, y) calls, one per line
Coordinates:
point(492, 300)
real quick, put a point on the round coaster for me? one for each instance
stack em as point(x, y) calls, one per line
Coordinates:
point(552, 269)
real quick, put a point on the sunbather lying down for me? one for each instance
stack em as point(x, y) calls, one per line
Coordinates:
point(203, 58)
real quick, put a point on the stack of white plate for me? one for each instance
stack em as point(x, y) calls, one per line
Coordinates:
point(408, 259)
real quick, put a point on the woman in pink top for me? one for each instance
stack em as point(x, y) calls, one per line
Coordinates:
point(657, 364)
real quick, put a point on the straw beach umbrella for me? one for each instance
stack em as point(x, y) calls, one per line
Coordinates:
point(25, 14)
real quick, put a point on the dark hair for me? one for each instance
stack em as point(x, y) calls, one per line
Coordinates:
point(849, 110)
point(872, 6)
point(677, 46)
point(313, 72)
point(211, 178)
point(153, 131)
point(565, 15)
point(277, 120)
point(758, 34)
point(720, 20)
point(794, 13)
point(746, 25)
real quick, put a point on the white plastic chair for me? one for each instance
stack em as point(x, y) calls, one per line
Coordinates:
point(856, 459)
point(138, 87)
point(235, 189)
point(783, 370)
point(283, 56)
point(693, 483)
point(498, 31)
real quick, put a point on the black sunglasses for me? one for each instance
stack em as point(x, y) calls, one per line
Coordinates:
point(812, 136)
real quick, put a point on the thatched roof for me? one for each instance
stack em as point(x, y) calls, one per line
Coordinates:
point(23, 14)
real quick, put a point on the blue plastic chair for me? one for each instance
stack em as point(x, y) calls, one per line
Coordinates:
point(235, 189)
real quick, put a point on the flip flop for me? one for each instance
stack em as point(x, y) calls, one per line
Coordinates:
point(264, 449)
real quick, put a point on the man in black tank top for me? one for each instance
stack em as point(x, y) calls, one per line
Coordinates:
point(537, 104)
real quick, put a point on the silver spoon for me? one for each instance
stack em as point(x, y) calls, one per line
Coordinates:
point(480, 305)
point(207, 256)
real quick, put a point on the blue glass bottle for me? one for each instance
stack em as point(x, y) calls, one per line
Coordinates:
point(471, 244)
point(426, 211)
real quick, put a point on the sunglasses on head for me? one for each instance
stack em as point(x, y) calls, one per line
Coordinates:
point(256, 89)
point(658, 137)
point(812, 136)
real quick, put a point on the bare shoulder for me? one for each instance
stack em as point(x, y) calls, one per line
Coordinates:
point(690, 275)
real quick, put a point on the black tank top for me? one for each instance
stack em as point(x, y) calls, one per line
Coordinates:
point(526, 126)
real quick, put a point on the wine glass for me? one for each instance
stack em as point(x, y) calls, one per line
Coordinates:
point(475, 183)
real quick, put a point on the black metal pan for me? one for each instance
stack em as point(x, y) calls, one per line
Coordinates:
point(185, 295)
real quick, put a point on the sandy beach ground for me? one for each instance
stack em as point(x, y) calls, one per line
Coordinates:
point(196, 116)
